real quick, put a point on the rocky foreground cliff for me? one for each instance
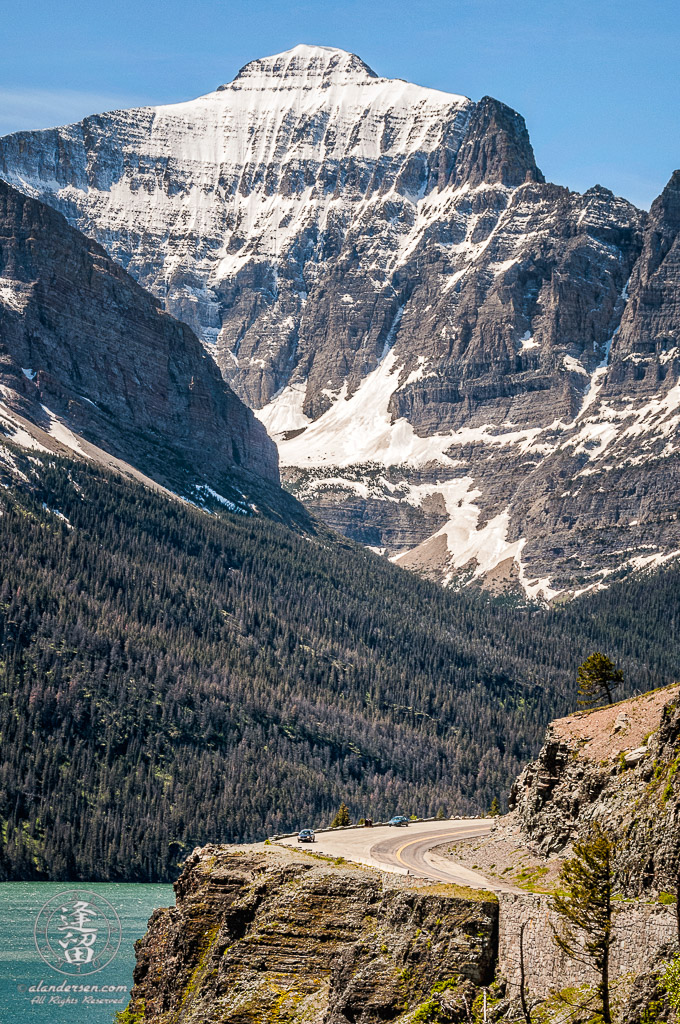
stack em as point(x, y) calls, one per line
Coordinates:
point(617, 766)
point(277, 936)
point(266, 934)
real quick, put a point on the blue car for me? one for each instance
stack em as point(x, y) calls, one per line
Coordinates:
point(398, 819)
point(306, 836)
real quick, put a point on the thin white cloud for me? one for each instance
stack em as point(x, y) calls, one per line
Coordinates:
point(24, 109)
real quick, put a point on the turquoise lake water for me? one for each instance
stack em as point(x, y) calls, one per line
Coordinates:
point(77, 926)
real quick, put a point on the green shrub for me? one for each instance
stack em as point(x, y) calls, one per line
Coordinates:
point(652, 1013)
point(128, 1016)
point(444, 986)
point(670, 977)
point(427, 1011)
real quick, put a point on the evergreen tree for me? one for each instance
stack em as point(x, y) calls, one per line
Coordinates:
point(495, 808)
point(171, 678)
point(598, 677)
point(585, 906)
point(342, 818)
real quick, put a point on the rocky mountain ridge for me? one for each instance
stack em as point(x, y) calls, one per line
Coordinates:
point(89, 363)
point(465, 367)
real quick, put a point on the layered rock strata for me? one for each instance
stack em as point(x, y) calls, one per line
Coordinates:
point(465, 367)
point(262, 933)
point(90, 358)
point(274, 935)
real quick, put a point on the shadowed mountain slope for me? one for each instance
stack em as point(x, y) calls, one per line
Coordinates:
point(90, 357)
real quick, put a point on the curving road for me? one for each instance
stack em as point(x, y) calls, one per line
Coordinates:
point(407, 850)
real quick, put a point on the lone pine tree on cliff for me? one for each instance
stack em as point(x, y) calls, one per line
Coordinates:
point(598, 677)
point(585, 906)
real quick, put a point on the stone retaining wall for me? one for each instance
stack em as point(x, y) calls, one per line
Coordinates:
point(640, 931)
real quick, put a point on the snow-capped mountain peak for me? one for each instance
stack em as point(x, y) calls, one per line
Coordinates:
point(434, 335)
point(302, 66)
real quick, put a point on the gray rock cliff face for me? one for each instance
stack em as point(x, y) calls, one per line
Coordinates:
point(260, 933)
point(84, 349)
point(265, 935)
point(650, 325)
point(420, 319)
point(555, 476)
point(617, 766)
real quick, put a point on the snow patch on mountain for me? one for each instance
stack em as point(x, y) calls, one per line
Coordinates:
point(284, 412)
point(14, 295)
point(659, 417)
point(358, 428)
point(14, 429)
point(478, 549)
point(62, 433)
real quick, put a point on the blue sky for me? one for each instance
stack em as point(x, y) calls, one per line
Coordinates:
point(596, 80)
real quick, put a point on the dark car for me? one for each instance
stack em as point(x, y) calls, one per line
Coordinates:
point(398, 819)
point(306, 836)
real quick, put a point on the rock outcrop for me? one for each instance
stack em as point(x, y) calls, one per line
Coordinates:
point(650, 326)
point(278, 936)
point(88, 356)
point(644, 933)
point(466, 367)
point(618, 766)
point(263, 933)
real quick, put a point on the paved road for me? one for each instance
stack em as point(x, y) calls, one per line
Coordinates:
point(407, 850)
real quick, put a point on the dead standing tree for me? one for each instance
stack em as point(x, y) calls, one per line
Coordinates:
point(526, 1012)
